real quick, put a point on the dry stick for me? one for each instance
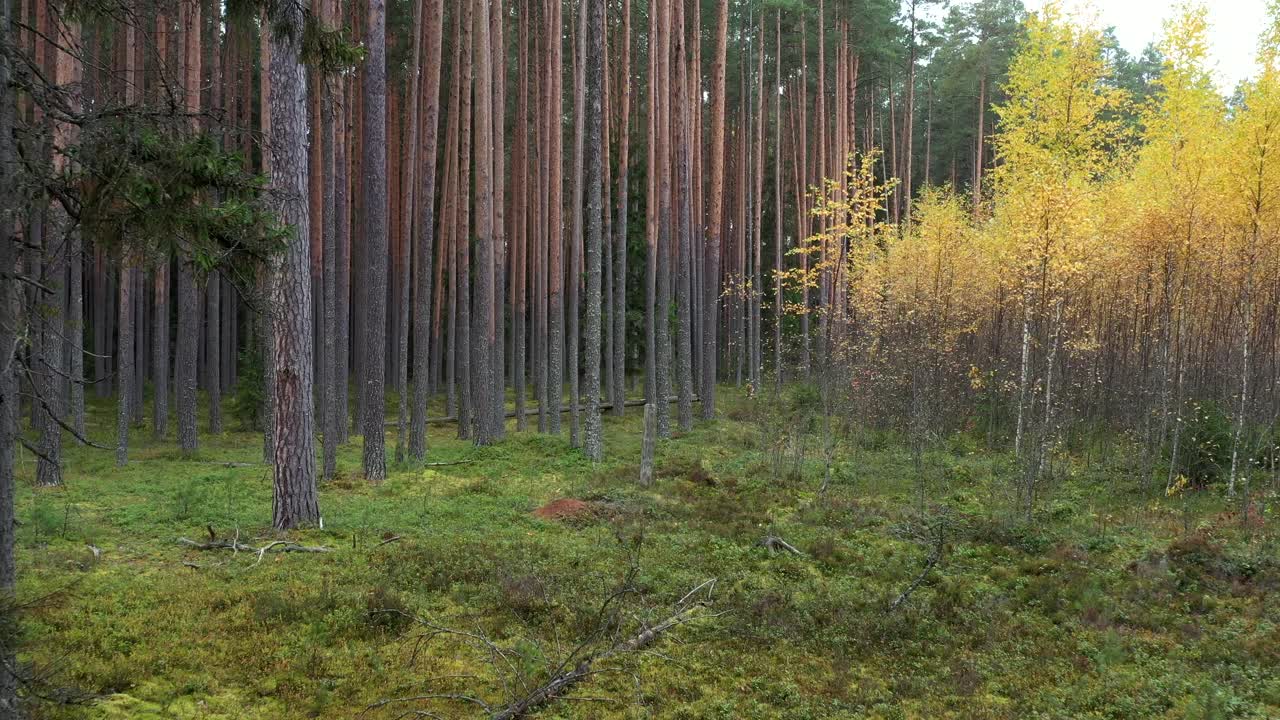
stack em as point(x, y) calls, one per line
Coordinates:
point(235, 545)
point(934, 557)
point(221, 463)
point(565, 680)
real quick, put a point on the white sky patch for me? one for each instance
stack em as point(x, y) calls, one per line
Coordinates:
point(1234, 26)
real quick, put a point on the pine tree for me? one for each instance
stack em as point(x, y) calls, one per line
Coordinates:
point(596, 151)
point(425, 211)
point(374, 167)
point(185, 356)
point(555, 227)
point(711, 303)
point(575, 237)
point(462, 232)
point(294, 500)
point(619, 304)
point(484, 335)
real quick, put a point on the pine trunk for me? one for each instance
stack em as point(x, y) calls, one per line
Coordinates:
point(188, 292)
point(682, 146)
point(294, 500)
point(214, 340)
point(160, 351)
point(483, 336)
point(424, 207)
point(330, 420)
point(575, 238)
point(555, 238)
point(124, 400)
point(711, 278)
point(374, 170)
point(593, 441)
point(619, 306)
point(462, 233)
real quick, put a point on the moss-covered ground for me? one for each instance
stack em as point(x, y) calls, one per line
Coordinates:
point(1109, 603)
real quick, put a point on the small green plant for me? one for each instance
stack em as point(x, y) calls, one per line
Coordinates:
point(187, 497)
point(46, 521)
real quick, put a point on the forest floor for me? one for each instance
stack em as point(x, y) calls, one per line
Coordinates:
point(1109, 604)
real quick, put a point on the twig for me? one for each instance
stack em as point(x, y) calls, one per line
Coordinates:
point(705, 583)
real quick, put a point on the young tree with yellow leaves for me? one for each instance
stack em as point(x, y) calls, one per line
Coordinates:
point(1253, 207)
point(1057, 141)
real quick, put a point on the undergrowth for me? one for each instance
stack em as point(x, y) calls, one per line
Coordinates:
point(1108, 604)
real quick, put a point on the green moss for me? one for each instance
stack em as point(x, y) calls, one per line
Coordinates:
point(1101, 607)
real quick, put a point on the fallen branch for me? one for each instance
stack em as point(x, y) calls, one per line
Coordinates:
point(235, 545)
point(232, 464)
point(777, 544)
point(532, 409)
point(934, 557)
point(563, 681)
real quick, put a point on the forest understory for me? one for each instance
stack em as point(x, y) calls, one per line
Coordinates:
point(1109, 602)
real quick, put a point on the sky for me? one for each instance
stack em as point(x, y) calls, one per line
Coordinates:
point(1233, 33)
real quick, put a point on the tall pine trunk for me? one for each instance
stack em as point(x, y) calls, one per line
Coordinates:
point(484, 325)
point(777, 213)
point(595, 30)
point(330, 420)
point(497, 401)
point(374, 164)
point(342, 290)
point(425, 211)
point(662, 311)
point(682, 244)
point(462, 233)
point(555, 239)
point(409, 231)
point(619, 305)
point(711, 278)
point(521, 219)
point(294, 500)
point(125, 341)
point(185, 360)
point(575, 237)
